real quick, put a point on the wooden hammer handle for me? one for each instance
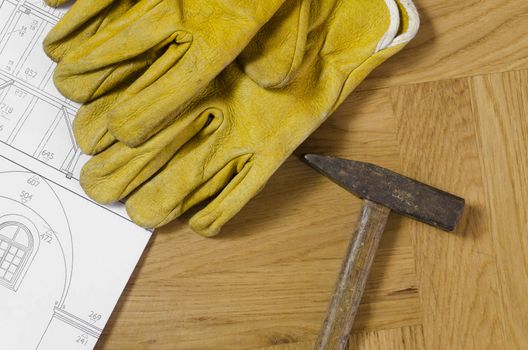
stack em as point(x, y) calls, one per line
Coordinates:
point(353, 277)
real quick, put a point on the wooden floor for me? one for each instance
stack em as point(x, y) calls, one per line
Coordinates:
point(451, 110)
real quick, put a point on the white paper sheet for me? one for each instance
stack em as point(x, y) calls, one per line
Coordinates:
point(64, 260)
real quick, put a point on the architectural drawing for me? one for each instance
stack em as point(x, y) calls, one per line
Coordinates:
point(28, 98)
point(17, 248)
point(61, 272)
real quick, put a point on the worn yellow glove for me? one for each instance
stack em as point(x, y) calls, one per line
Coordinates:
point(271, 59)
point(233, 137)
point(80, 23)
point(185, 43)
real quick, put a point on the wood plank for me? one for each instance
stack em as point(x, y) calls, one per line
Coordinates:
point(456, 272)
point(405, 338)
point(460, 39)
point(291, 346)
point(268, 278)
point(501, 105)
point(391, 296)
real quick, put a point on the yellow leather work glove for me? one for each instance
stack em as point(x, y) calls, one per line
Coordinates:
point(187, 42)
point(271, 59)
point(234, 135)
point(80, 23)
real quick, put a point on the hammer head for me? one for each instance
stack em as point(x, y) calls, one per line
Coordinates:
point(397, 192)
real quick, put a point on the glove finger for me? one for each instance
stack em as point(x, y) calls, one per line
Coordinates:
point(240, 190)
point(133, 74)
point(56, 3)
point(121, 48)
point(166, 195)
point(100, 82)
point(149, 208)
point(114, 173)
point(89, 125)
point(144, 27)
point(80, 23)
point(275, 54)
point(213, 186)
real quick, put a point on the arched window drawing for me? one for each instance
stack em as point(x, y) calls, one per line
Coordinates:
point(16, 246)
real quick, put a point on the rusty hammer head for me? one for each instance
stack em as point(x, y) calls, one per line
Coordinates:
point(394, 191)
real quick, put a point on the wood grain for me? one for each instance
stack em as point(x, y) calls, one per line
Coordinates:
point(456, 272)
point(501, 106)
point(450, 110)
point(460, 39)
point(405, 338)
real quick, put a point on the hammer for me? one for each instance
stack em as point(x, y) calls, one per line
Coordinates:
point(382, 191)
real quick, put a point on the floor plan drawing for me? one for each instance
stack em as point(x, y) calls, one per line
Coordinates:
point(61, 272)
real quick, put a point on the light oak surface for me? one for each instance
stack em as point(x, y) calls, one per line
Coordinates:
point(450, 110)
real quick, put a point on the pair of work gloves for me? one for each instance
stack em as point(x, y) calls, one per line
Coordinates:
point(188, 101)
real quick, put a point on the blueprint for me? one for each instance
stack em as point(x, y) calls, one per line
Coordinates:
point(64, 260)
